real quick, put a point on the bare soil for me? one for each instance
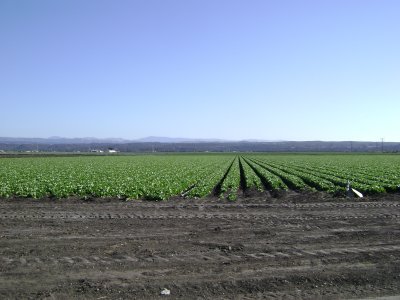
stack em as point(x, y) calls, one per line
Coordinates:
point(290, 246)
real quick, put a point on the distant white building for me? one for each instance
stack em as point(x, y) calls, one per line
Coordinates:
point(112, 151)
point(96, 151)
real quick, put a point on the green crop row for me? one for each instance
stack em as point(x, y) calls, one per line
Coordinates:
point(271, 181)
point(252, 180)
point(231, 184)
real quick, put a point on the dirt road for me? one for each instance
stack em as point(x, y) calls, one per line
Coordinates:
point(293, 247)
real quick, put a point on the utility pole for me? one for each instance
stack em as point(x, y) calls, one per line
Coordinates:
point(382, 145)
point(351, 146)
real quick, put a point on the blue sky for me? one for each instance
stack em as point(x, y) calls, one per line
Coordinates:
point(287, 70)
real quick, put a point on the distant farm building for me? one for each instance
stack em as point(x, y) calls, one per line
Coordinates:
point(96, 151)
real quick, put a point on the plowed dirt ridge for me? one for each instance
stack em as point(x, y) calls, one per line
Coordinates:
point(293, 247)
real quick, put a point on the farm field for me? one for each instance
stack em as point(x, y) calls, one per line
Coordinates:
point(227, 176)
point(224, 226)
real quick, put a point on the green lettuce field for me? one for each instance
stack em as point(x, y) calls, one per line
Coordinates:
point(163, 176)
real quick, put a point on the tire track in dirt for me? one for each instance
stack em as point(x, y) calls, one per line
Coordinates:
point(224, 216)
point(210, 257)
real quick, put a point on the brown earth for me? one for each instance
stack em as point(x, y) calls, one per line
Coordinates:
point(292, 246)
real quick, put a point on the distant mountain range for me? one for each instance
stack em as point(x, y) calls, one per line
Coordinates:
point(167, 144)
point(92, 140)
point(161, 139)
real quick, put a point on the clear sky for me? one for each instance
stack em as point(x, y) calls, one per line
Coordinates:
point(249, 69)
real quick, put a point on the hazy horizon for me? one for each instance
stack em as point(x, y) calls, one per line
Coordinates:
point(193, 139)
point(234, 70)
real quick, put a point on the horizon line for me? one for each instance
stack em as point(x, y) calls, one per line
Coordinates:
point(183, 139)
